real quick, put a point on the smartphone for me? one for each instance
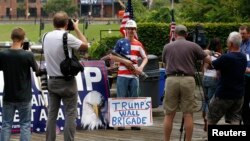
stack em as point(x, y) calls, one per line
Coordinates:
point(26, 45)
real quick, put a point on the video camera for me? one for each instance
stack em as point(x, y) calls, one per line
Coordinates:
point(43, 78)
point(198, 36)
point(70, 24)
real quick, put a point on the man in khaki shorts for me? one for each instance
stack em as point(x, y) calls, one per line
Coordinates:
point(180, 57)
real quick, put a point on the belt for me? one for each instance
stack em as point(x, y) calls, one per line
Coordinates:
point(57, 77)
point(179, 74)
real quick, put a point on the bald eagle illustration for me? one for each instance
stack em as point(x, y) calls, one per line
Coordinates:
point(94, 111)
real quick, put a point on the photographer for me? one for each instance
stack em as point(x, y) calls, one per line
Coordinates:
point(59, 87)
point(15, 63)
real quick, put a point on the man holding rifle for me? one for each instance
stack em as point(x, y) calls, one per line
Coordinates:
point(127, 51)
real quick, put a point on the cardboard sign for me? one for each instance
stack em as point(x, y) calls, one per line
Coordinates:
point(93, 80)
point(130, 112)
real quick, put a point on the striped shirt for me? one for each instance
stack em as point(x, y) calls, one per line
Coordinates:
point(133, 50)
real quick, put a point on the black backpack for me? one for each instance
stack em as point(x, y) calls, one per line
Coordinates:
point(69, 66)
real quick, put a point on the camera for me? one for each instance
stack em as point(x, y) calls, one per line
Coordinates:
point(70, 24)
point(26, 45)
point(43, 78)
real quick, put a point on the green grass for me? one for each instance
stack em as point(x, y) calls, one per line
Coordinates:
point(32, 31)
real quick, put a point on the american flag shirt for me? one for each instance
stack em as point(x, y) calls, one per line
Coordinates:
point(133, 50)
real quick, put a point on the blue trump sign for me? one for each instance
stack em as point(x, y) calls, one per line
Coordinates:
point(93, 93)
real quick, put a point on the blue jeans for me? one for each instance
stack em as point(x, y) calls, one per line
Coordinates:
point(209, 87)
point(127, 87)
point(24, 110)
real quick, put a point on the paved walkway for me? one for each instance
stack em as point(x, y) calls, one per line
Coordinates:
point(149, 133)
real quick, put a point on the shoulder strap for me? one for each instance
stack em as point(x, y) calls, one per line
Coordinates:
point(65, 44)
point(42, 50)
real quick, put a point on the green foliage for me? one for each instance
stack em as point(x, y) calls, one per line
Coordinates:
point(162, 15)
point(140, 11)
point(21, 9)
point(244, 9)
point(156, 4)
point(53, 6)
point(211, 11)
point(99, 48)
point(155, 35)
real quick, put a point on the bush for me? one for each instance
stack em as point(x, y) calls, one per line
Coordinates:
point(155, 35)
point(98, 49)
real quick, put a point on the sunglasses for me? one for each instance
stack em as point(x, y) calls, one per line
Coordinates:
point(131, 28)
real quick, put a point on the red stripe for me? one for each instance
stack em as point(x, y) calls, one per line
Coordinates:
point(135, 52)
point(126, 72)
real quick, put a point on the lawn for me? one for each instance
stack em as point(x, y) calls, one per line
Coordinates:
point(32, 31)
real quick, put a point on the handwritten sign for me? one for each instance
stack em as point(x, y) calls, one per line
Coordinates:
point(130, 112)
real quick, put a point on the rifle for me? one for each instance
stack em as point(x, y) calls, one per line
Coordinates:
point(143, 75)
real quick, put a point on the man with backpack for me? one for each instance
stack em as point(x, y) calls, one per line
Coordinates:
point(59, 88)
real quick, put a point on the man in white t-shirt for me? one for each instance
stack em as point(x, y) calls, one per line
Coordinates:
point(59, 88)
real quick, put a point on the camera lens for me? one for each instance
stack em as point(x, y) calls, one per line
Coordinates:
point(70, 25)
point(44, 79)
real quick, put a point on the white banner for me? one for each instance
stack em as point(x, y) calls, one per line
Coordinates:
point(130, 112)
point(88, 1)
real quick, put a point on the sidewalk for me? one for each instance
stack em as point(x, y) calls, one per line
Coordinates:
point(147, 133)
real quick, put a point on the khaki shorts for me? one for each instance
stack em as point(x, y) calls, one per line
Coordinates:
point(180, 94)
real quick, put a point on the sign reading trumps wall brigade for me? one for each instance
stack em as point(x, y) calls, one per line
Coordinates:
point(130, 112)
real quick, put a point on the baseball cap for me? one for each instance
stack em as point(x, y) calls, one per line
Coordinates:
point(180, 29)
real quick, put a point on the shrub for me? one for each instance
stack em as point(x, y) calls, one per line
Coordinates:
point(155, 35)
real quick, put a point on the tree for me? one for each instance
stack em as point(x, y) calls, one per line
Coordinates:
point(53, 6)
point(140, 11)
point(210, 11)
point(157, 4)
point(21, 10)
point(244, 9)
point(162, 15)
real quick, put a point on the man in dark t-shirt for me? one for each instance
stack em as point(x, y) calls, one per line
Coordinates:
point(229, 94)
point(16, 64)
